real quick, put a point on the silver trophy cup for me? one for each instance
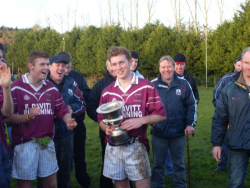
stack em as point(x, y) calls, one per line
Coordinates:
point(113, 116)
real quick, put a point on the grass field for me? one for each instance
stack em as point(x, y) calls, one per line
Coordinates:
point(202, 163)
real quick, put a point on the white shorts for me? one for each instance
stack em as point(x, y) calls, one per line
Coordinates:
point(127, 161)
point(29, 161)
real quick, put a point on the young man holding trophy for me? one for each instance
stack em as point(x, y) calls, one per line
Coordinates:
point(126, 155)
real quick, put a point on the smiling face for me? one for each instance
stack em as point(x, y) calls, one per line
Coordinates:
point(166, 69)
point(179, 68)
point(121, 66)
point(39, 68)
point(134, 64)
point(57, 71)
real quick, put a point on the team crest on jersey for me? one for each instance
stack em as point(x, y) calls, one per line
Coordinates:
point(114, 99)
point(70, 91)
point(178, 92)
point(26, 97)
point(48, 97)
point(138, 98)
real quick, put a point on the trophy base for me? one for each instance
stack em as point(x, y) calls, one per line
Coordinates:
point(119, 140)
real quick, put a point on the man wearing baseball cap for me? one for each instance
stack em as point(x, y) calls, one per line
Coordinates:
point(180, 65)
point(73, 98)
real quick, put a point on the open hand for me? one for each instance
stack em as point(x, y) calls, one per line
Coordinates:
point(130, 124)
point(5, 75)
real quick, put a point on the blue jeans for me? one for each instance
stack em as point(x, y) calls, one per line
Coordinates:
point(169, 164)
point(177, 151)
point(238, 162)
point(224, 157)
point(64, 155)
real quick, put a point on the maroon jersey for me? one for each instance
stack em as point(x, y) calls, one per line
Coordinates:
point(49, 101)
point(141, 99)
point(2, 132)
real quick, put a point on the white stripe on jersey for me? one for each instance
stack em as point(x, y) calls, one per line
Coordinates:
point(146, 86)
point(58, 104)
point(25, 90)
point(111, 93)
point(59, 99)
point(154, 102)
point(115, 94)
point(154, 97)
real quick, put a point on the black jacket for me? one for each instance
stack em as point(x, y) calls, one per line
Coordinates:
point(94, 97)
point(231, 119)
point(189, 77)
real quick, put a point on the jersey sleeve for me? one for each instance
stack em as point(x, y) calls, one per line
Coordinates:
point(154, 104)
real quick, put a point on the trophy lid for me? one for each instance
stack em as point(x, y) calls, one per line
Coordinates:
point(110, 107)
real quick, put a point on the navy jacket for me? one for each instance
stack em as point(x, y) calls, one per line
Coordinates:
point(94, 97)
point(83, 86)
point(231, 119)
point(180, 106)
point(230, 77)
point(71, 96)
point(5, 170)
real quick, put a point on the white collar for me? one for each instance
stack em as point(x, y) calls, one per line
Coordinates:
point(27, 81)
point(134, 80)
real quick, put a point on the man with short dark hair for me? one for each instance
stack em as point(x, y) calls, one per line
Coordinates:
point(81, 173)
point(135, 64)
point(36, 102)
point(231, 122)
point(142, 106)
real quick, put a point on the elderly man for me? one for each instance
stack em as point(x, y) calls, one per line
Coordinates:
point(36, 102)
point(179, 102)
point(231, 122)
point(180, 65)
point(142, 106)
point(230, 77)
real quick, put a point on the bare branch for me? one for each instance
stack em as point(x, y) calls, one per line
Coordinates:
point(136, 13)
point(150, 5)
point(220, 6)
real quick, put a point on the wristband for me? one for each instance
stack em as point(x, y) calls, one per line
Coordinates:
point(27, 118)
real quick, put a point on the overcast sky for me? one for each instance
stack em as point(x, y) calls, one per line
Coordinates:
point(26, 13)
